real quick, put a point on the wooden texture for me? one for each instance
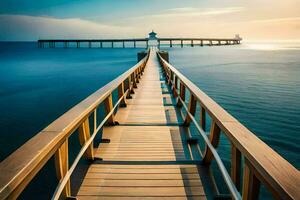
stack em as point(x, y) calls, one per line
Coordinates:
point(84, 135)
point(214, 138)
point(144, 136)
point(236, 158)
point(62, 166)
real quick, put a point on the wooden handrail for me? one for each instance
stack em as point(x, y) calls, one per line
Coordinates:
point(18, 169)
point(262, 164)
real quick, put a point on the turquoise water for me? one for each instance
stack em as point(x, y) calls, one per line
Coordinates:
point(257, 83)
point(39, 85)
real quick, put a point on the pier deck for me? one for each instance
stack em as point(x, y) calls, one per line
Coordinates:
point(144, 149)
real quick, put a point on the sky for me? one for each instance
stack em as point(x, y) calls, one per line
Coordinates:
point(29, 20)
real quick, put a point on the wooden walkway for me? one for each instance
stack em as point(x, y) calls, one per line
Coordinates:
point(147, 153)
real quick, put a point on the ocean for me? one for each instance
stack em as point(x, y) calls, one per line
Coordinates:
point(258, 83)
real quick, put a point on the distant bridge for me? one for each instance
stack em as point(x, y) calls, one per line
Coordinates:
point(152, 40)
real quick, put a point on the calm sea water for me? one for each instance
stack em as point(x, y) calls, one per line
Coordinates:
point(39, 85)
point(258, 84)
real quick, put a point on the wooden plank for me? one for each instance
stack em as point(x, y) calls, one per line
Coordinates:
point(142, 183)
point(134, 140)
point(86, 197)
point(142, 191)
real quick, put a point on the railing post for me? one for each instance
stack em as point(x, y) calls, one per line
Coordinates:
point(108, 108)
point(202, 118)
point(214, 138)
point(181, 94)
point(251, 184)
point(62, 166)
point(191, 109)
point(84, 136)
point(175, 86)
point(134, 80)
point(130, 87)
point(121, 92)
point(137, 75)
point(236, 166)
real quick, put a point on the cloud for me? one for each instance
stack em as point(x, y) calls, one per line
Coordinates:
point(192, 12)
point(22, 27)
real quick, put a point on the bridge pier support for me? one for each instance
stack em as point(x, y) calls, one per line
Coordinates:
point(112, 44)
point(123, 44)
point(78, 44)
point(181, 42)
point(101, 45)
point(90, 44)
point(201, 43)
point(192, 43)
point(134, 44)
point(171, 45)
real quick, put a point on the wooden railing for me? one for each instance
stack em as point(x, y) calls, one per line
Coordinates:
point(21, 167)
point(261, 163)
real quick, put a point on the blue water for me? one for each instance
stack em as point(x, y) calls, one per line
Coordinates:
point(39, 85)
point(257, 84)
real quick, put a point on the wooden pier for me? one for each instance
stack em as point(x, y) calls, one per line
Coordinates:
point(148, 148)
point(132, 43)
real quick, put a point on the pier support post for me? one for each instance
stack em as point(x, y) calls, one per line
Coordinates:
point(134, 44)
point(101, 45)
point(121, 91)
point(84, 136)
point(181, 42)
point(78, 44)
point(191, 108)
point(202, 118)
point(62, 166)
point(181, 94)
point(171, 45)
point(219, 42)
point(112, 44)
point(236, 158)
point(214, 137)
point(90, 44)
point(123, 44)
point(251, 184)
point(201, 43)
point(108, 103)
point(210, 42)
point(192, 43)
